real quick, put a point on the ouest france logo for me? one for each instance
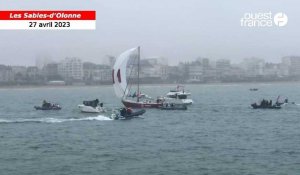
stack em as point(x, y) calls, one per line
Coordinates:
point(264, 19)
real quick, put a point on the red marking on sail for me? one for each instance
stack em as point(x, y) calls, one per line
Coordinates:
point(113, 76)
point(119, 76)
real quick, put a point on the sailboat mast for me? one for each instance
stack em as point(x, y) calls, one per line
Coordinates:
point(138, 91)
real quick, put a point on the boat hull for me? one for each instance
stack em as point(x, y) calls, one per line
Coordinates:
point(187, 101)
point(134, 114)
point(90, 109)
point(179, 101)
point(48, 108)
point(134, 104)
point(255, 106)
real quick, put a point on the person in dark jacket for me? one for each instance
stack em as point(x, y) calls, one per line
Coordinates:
point(123, 112)
point(46, 104)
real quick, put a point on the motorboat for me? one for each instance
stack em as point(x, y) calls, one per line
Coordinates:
point(184, 101)
point(91, 107)
point(265, 104)
point(256, 106)
point(48, 106)
point(180, 94)
point(253, 89)
point(127, 113)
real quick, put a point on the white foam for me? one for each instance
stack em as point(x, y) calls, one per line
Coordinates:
point(99, 118)
point(56, 120)
point(4, 121)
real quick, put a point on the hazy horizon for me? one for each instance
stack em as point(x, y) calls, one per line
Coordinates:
point(178, 31)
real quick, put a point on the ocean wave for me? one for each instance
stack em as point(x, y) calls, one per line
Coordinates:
point(55, 120)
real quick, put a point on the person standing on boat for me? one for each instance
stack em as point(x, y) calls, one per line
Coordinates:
point(46, 104)
point(264, 103)
point(95, 103)
point(123, 112)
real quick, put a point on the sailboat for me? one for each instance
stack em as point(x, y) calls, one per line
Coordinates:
point(122, 89)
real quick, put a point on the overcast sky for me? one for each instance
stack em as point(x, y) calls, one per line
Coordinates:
point(176, 29)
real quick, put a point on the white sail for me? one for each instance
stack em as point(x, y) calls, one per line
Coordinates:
point(119, 72)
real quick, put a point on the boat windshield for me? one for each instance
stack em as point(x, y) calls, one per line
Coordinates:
point(182, 96)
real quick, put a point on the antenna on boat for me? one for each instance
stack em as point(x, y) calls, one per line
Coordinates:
point(139, 56)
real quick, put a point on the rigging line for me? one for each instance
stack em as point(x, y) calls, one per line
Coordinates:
point(139, 58)
point(129, 77)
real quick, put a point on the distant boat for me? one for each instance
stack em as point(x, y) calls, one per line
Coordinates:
point(253, 89)
point(91, 107)
point(180, 94)
point(127, 113)
point(265, 104)
point(48, 106)
point(122, 89)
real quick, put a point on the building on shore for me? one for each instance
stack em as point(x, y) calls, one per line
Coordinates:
point(292, 63)
point(153, 69)
point(254, 67)
point(96, 73)
point(34, 75)
point(223, 69)
point(195, 72)
point(50, 71)
point(71, 69)
point(20, 74)
point(42, 60)
point(271, 70)
point(6, 75)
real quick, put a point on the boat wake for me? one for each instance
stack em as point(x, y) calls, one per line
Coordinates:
point(55, 120)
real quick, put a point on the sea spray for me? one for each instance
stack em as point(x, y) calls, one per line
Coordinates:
point(56, 120)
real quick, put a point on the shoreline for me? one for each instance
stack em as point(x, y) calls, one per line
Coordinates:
point(152, 84)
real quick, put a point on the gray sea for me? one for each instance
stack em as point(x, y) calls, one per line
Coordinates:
point(218, 135)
